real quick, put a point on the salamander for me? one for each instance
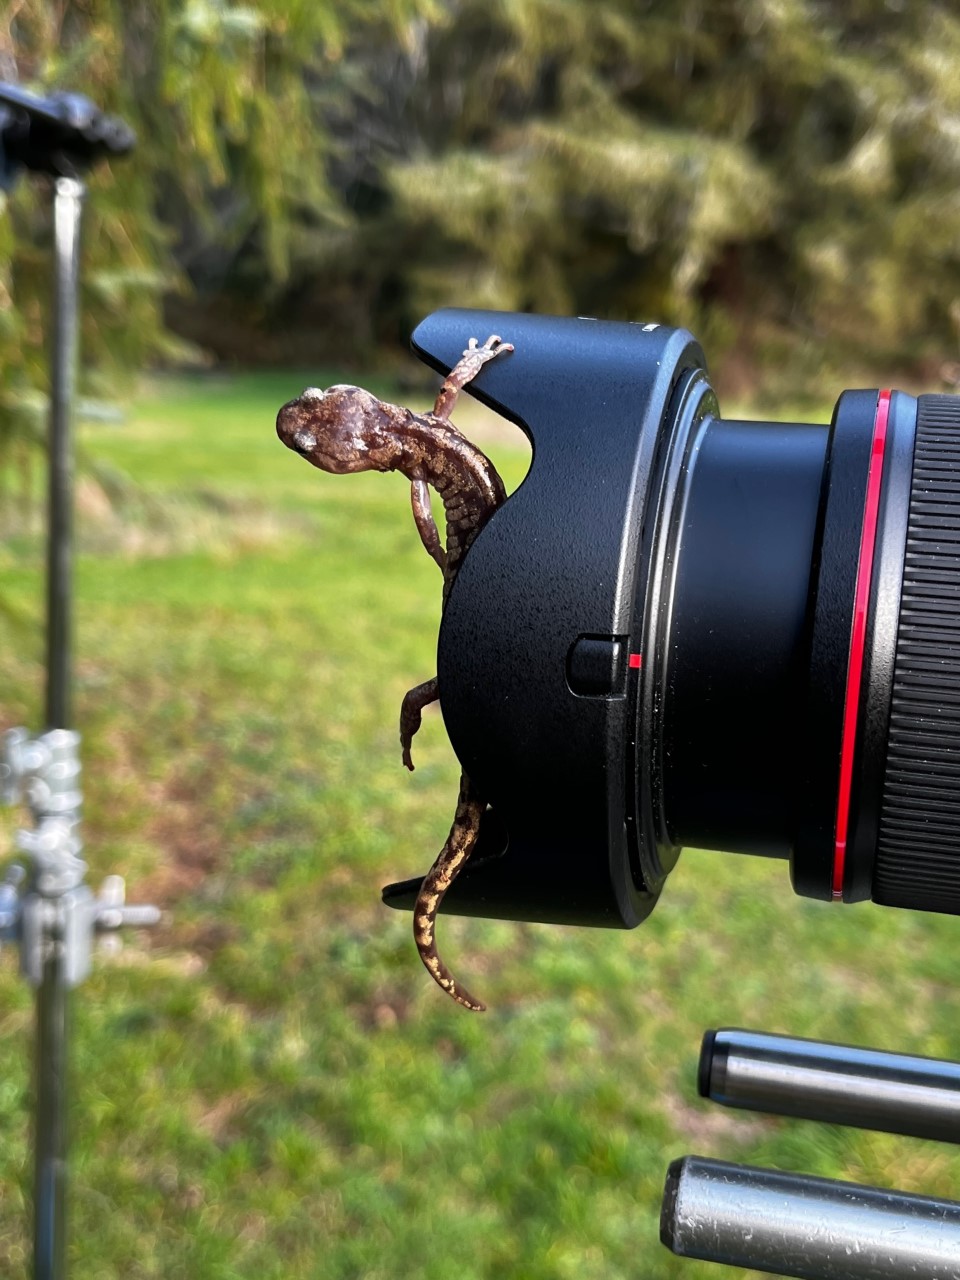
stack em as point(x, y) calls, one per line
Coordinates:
point(346, 429)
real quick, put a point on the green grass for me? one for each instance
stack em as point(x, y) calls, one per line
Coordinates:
point(271, 1086)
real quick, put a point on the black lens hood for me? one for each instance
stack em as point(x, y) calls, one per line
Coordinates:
point(539, 647)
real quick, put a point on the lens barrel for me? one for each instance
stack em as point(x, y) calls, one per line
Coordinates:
point(689, 630)
point(774, 664)
point(805, 690)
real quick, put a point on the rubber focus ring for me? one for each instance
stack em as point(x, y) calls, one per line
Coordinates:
point(918, 846)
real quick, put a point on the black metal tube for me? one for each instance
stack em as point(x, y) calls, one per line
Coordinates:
point(67, 211)
point(808, 1227)
point(50, 1138)
point(837, 1083)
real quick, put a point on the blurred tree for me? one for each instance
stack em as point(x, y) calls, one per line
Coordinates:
point(777, 175)
point(313, 175)
point(232, 153)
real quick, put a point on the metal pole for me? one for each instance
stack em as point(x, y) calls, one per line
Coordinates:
point(67, 210)
point(50, 1168)
point(52, 1012)
point(808, 1227)
point(837, 1083)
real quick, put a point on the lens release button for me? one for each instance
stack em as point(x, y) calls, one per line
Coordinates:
point(595, 666)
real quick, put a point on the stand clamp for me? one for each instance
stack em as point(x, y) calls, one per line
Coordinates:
point(61, 135)
point(55, 912)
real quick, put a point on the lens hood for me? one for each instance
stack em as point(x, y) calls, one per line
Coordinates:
point(537, 652)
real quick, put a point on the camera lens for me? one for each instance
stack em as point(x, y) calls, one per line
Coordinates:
point(684, 629)
point(801, 695)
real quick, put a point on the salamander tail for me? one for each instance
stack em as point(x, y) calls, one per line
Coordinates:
point(438, 970)
point(455, 852)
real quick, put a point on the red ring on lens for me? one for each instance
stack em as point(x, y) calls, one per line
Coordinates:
point(858, 637)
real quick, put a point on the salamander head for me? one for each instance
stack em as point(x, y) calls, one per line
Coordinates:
point(341, 430)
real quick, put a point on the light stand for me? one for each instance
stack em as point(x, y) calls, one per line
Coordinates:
point(54, 917)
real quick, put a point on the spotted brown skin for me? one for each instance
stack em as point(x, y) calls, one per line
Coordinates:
point(346, 429)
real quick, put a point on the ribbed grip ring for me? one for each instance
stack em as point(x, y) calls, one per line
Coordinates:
point(918, 848)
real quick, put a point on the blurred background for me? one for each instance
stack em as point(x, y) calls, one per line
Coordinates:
point(270, 1085)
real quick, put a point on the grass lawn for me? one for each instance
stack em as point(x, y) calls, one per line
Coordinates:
point(270, 1085)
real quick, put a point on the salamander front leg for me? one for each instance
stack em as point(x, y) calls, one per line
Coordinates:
point(411, 714)
point(426, 525)
point(467, 368)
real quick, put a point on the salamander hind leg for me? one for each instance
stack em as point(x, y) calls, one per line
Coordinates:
point(411, 715)
point(459, 845)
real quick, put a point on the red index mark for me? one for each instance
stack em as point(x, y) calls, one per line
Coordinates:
point(636, 661)
point(858, 636)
